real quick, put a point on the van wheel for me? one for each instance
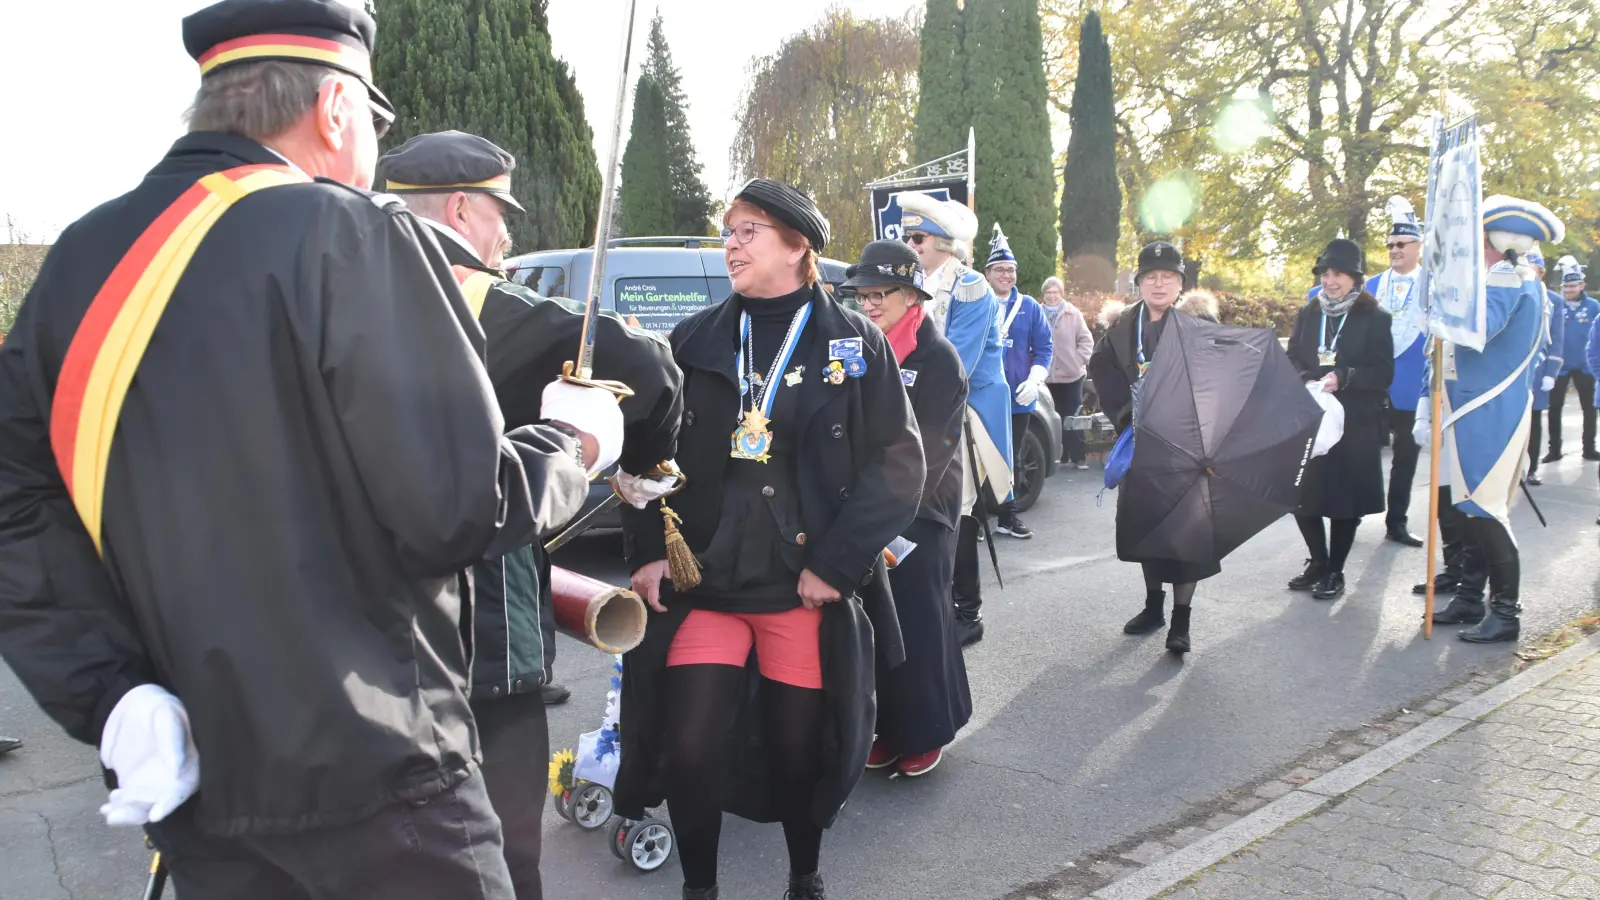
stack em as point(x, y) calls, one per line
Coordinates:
point(1028, 471)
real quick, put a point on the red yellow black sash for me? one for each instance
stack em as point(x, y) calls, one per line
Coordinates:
point(475, 285)
point(111, 340)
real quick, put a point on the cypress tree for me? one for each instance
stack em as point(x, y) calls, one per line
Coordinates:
point(1091, 197)
point(486, 67)
point(690, 199)
point(943, 113)
point(1009, 95)
point(646, 192)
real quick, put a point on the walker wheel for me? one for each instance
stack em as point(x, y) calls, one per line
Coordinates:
point(619, 838)
point(649, 844)
point(591, 806)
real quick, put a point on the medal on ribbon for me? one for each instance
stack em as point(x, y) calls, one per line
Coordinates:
point(751, 438)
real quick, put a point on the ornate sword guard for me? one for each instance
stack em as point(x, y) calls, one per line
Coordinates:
point(615, 387)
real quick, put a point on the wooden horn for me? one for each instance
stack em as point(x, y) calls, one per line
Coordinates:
point(599, 614)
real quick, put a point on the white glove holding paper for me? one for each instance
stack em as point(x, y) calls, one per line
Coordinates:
point(638, 490)
point(591, 411)
point(1548, 384)
point(1028, 391)
point(147, 743)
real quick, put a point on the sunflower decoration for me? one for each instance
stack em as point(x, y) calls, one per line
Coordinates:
point(561, 772)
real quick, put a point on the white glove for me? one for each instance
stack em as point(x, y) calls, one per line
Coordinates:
point(148, 744)
point(638, 490)
point(590, 410)
point(1548, 384)
point(1422, 429)
point(1028, 391)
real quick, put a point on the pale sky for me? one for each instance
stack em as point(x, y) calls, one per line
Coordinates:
point(71, 138)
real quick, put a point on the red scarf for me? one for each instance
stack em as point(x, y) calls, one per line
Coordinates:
point(903, 334)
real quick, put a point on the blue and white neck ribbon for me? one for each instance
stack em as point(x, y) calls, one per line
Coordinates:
point(762, 396)
point(1323, 346)
point(1405, 325)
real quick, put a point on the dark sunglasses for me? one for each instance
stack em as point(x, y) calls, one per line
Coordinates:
point(916, 238)
point(1398, 244)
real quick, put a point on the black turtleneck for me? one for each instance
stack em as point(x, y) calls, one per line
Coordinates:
point(769, 323)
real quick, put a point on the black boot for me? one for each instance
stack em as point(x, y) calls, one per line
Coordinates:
point(1305, 581)
point(1505, 578)
point(1178, 634)
point(709, 893)
point(1151, 618)
point(805, 887)
point(1466, 607)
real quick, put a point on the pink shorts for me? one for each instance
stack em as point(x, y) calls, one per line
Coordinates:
point(786, 643)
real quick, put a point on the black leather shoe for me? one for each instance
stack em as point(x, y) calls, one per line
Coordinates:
point(1591, 455)
point(1552, 456)
point(709, 893)
point(1331, 587)
point(1400, 535)
point(1150, 618)
point(554, 694)
point(1500, 624)
point(805, 887)
point(969, 631)
point(1308, 579)
point(1460, 611)
point(9, 744)
point(1178, 634)
point(1443, 583)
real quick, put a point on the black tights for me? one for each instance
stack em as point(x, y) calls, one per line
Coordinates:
point(1333, 548)
point(701, 702)
point(1182, 594)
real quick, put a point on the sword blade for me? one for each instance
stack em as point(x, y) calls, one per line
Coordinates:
point(583, 524)
point(584, 368)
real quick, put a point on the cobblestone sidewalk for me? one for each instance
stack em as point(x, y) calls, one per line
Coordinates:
point(1508, 807)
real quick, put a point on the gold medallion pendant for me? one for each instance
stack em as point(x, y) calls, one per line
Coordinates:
point(752, 440)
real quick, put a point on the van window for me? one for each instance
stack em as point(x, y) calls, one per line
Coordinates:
point(660, 303)
point(547, 281)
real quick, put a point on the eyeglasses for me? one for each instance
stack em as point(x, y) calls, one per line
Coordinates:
point(1004, 270)
point(1398, 244)
point(744, 231)
point(380, 120)
point(876, 298)
point(916, 238)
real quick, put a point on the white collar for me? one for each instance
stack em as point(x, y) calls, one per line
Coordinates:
point(453, 235)
point(286, 160)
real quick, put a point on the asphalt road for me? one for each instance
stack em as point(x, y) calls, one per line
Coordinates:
point(1081, 736)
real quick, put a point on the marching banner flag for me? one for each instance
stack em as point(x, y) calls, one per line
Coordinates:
point(1453, 294)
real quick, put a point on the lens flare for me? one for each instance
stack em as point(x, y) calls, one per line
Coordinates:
point(1240, 125)
point(1168, 204)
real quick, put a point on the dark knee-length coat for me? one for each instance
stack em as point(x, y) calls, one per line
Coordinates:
point(1347, 482)
point(859, 473)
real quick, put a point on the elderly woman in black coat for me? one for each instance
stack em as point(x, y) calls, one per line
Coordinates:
point(925, 701)
point(1342, 342)
point(803, 463)
point(1132, 338)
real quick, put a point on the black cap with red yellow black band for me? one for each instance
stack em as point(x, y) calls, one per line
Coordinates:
point(329, 33)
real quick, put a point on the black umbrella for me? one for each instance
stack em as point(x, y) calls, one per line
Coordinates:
point(1224, 428)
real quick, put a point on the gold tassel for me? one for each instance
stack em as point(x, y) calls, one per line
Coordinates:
point(680, 559)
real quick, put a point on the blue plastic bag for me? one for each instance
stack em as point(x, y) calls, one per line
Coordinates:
point(1120, 457)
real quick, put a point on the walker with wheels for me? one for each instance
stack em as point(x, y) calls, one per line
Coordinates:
point(581, 785)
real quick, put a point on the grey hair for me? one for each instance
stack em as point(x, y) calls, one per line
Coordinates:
point(259, 100)
point(1049, 281)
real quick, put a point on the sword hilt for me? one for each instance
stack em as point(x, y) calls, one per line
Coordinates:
point(614, 387)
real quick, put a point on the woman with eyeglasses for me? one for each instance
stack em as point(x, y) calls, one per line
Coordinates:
point(1342, 340)
point(802, 465)
point(925, 701)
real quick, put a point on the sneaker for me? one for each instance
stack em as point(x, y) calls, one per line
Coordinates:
point(921, 764)
point(881, 756)
point(9, 744)
point(1083, 465)
point(1013, 527)
point(1534, 479)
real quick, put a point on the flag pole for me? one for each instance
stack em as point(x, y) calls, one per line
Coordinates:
point(1436, 437)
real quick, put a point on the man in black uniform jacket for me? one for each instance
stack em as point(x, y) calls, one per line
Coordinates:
point(460, 186)
point(250, 551)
